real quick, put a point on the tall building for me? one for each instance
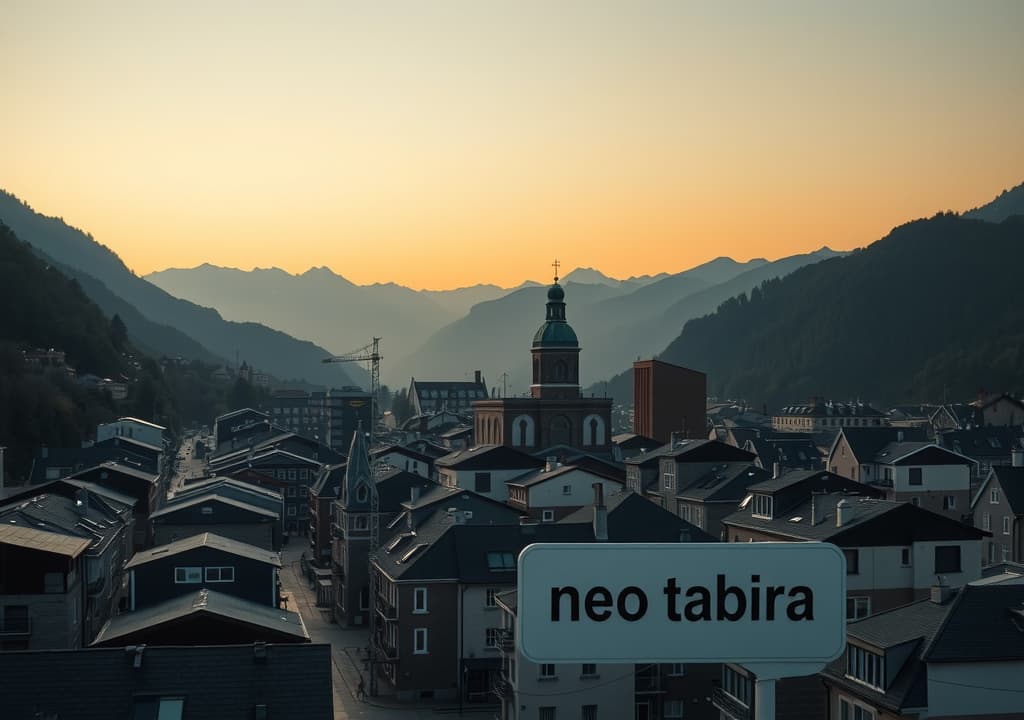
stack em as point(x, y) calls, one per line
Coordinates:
point(344, 410)
point(556, 413)
point(669, 399)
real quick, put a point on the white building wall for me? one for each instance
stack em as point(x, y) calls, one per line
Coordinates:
point(142, 432)
point(581, 490)
point(466, 479)
point(881, 568)
point(935, 478)
point(924, 568)
point(404, 462)
point(611, 689)
point(477, 617)
point(965, 689)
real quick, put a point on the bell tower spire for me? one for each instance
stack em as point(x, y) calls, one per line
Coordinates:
point(556, 351)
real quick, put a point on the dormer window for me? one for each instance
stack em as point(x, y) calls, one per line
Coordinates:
point(866, 667)
point(762, 506)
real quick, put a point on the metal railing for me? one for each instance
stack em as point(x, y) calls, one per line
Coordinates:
point(730, 705)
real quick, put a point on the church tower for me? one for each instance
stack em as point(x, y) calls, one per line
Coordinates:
point(556, 353)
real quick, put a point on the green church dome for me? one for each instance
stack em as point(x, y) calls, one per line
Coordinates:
point(555, 332)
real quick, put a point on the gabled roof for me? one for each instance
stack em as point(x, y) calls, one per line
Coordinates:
point(50, 542)
point(649, 458)
point(871, 523)
point(1011, 480)
point(210, 485)
point(963, 415)
point(137, 421)
point(228, 608)
point(208, 499)
point(394, 488)
point(633, 518)
point(542, 475)
point(727, 482)
point(634, 441)
point(706, 451)
point(401, 450)
point(919, 453)
point(123, 470)
point(984, 443)
point(122, 441)
point(86, 516)
point(209, 540)
point(985, 623)
point(239, 413)
point(865, 442)
point(329, 478)
point(489, 457)
point(915, 623)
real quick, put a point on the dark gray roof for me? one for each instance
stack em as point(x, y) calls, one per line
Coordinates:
point(121, 470)
point(706, 451)
point(830, 409)
point(865, 442)
point(985, 623)
point(918, 453)
point(650, 457)
point(211, 485)
point(509, 600)
point(984, 443)
point(489, 457)
point(541, 475)
point(726, 482)
point(205, 540)
point(633, 518)
point(293, 681)
point(211, 498)
point(202, 602)
point(1011, 479)
point(872, 523)
point(900, 625)
point(49, 512)
point(43, 541)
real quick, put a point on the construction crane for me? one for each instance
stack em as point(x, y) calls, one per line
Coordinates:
point(370, 354)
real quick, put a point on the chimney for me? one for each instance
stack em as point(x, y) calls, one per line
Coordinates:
point(414, 494)
point(600, 514)
point(1017, 456)
point(941, 593)
point(899, 436)
point(476, 377)
point(550, 463)
point(814, 514)
point(844, 513)
point(776, 469)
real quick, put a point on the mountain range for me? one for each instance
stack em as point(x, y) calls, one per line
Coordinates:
point(163, 324)
point(925, 313)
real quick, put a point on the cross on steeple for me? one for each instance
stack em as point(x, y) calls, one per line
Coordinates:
point(555, 265)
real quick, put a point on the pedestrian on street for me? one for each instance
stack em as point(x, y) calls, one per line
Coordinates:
point(361, 689)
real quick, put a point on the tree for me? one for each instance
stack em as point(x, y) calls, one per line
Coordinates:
point(118, 332)
point(400, 406)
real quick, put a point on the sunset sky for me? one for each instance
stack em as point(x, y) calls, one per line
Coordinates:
point(439, 144)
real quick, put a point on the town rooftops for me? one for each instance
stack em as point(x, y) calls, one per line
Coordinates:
point(541, 475)
point(489, 457)
point(985, 623)
point(203, 602)
point(84, 516)
point(704, 451)
point(984, 443)
point(137, 421)
point(918, 453)
point(212, 498)
point(725, 482)
point(210, 485)
point(209, 540)
point(865, 442)
point(633, 518)
point(830, 409)
point(870, 522)
point(130, 443)
point(50, 542)
point(118, 468)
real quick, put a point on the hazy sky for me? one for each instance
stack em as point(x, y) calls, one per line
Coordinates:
point(438, 143)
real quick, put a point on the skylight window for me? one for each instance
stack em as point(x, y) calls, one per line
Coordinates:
point(501, 561)
point(415, 549)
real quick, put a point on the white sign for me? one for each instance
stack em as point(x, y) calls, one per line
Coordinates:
point(685, 602)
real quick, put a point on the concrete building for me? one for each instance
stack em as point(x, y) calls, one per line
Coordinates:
point(346, 409)
point(669, 399)
point(132, 428)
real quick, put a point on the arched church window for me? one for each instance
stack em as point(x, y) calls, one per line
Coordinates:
point(362, 494)
point(561, 371)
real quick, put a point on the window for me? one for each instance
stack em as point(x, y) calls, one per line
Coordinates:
point(588, 670)
point(482, 482)
point(188, 575)
point(993, 496)
point(567, 489)
point(419, 600)
point(499, 561)
point(490, 600)
point(852, 561)
point(915, 501)
point(360, 522)
point(291, 510)
point(762, 506)
point(676, 670)
point(673, 709)
point(915, 476)
point(588, 712)
point(947, 559)
point(1006, 525)
point(419, 641)
point(849, 710)
point(547, 671)
point(289, 491)
point(546, 713)
point(670, 481)
point(865, 666)
point(857, 607)
point(304, 474)
point(220, 574)
point(986, 521)
point(906, 557)
point(292, 475)
point(158, 708)
point(491, 636)
point(547, 515)
point(949, 502)
point(362, 493)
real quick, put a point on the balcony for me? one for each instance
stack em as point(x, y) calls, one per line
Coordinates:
point(15, 627)
point(386, 609)
point(385, 652)
point(506, 640)
point(730, 706)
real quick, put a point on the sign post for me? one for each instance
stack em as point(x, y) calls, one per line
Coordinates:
point(777, 608)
